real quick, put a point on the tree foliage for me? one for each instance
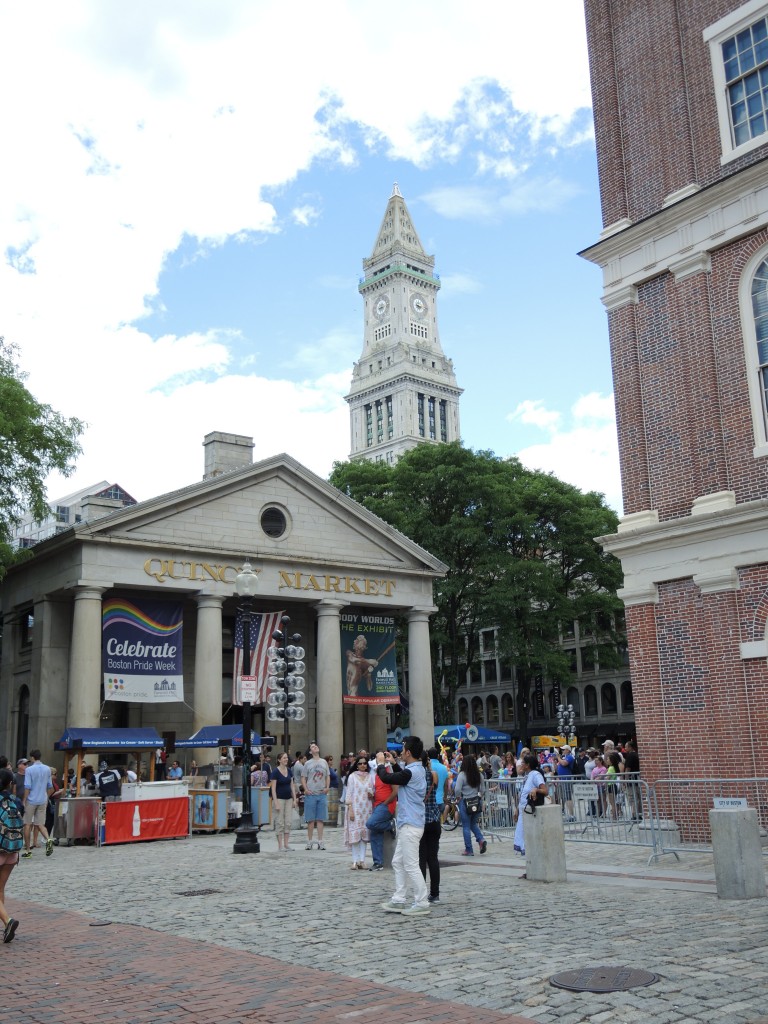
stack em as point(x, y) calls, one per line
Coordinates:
point(34, 441)
point(520, 551)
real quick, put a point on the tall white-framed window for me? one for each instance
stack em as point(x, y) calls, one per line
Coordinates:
point(753, 305)
point(738, 49)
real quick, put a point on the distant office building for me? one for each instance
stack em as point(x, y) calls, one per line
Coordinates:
point(81, 506)
point(681, 120)
point(404, 390)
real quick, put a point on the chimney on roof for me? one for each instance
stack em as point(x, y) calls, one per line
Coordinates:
point(225, 453)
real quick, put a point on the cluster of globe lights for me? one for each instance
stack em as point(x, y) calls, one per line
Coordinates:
point(286, 683)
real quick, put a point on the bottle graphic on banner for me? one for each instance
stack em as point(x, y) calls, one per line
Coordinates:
point(136, 821)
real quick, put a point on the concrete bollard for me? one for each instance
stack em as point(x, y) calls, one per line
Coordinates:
point(739, 870)
point(544, 844)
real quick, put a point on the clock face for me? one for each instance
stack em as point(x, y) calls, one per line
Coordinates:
point(381, 307)
point(418, 305)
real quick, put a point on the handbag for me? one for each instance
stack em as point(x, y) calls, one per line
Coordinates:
point(473, 804)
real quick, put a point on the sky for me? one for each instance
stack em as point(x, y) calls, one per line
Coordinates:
point(188, 190)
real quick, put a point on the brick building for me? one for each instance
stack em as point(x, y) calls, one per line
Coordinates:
point(680, 95)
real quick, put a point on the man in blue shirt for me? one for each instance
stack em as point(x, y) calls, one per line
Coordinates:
point(564, 763)
point(37, 786)
point(442, 776)
point(412, 788)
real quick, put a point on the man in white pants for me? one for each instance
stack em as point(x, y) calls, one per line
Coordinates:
point(412, 787)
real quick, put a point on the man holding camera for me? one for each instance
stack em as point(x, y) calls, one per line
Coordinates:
point(412, 788)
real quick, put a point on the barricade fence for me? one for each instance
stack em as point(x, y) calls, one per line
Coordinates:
point(669, 817)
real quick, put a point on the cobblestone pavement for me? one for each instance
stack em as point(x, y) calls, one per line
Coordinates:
point(493, 941)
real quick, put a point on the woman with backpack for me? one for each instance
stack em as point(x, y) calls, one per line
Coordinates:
point(11, 842)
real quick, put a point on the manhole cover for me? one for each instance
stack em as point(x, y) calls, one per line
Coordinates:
point(197, 892)
point(98, 924)
point(603, 979)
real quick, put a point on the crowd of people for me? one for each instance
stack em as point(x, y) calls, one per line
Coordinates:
point(407, 794)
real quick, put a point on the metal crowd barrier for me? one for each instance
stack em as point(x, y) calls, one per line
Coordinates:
point(684, 806)
point(670, 817)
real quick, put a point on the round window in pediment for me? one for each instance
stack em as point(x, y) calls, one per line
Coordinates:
point(273, 522)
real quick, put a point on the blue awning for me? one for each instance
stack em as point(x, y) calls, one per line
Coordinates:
point(454, 733)
point(459, 732)
point(109, 739)
point(224, 736)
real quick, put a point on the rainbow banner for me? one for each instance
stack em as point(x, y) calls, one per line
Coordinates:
point(141, 651)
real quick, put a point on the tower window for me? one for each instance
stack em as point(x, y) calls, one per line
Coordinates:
point(420, 403)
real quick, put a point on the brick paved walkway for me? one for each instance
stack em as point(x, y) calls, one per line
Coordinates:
point(60, 967)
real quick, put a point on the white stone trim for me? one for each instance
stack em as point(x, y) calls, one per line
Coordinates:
point(709, 549)
point(690, 264)
point(681, 193)
point(715, 502)
point(682, 234)
point(754, 649)
point(637, 520)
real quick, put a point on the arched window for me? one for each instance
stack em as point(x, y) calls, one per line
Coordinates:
point(753, 301)
point(574, 699)
point(627, 700)
point(478, 716)
point(507, 708)
point(590, 702)
point(492, 706)
point(463, 711)
point(608, 698)
point(22, 724)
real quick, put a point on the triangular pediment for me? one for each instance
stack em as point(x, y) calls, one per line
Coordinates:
point(227, 514)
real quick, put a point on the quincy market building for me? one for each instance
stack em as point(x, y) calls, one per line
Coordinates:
point(320, 557)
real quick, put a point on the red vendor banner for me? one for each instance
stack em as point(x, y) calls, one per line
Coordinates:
point(137, 820)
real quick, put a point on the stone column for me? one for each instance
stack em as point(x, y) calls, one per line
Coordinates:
point(377, 727)
point(330, 719)
point(85, 673)
point(421, 714)
point(208, 670)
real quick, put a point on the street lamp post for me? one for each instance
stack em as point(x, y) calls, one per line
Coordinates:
point(247, 834)
point(286, 679)
point(566, 720)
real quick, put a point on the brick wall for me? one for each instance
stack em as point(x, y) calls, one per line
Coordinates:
point(654, 106)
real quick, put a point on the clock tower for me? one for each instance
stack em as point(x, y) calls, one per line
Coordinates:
point(403, 388)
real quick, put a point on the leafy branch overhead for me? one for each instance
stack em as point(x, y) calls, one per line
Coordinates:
point(521, 554)
point(35, 440)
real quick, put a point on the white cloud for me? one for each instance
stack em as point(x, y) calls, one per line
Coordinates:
point(581, 448)
point(534, 414)
point(305, 214)
point(136, 126)
point(465, 284)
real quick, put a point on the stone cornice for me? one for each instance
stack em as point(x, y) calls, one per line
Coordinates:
point(677, 238)
point(708, 547)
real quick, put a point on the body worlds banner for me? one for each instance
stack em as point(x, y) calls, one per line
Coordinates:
point(368, 662)
point(141, 651)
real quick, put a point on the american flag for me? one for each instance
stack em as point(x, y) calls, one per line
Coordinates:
point(263, 625)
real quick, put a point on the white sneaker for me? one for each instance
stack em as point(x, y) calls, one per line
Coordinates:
point(416, 908)
point(394, 908)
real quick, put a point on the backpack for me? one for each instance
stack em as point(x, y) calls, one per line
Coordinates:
point(11, 825)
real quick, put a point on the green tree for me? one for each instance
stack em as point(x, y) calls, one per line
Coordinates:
point(34, 441)
point(520, 554)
